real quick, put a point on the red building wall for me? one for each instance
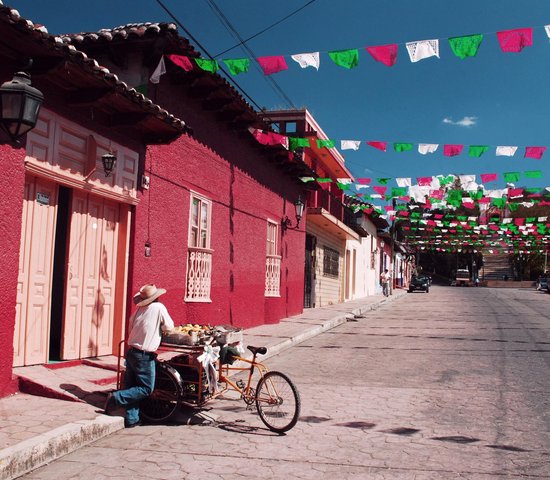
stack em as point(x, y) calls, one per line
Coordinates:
point(226, 166)
point(12, 183)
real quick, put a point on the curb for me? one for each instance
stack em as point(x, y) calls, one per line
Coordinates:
point(44, 448)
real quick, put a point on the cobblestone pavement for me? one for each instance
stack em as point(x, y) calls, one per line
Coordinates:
point(447, 385)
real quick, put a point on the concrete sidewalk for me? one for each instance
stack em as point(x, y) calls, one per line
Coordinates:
point(36, 430)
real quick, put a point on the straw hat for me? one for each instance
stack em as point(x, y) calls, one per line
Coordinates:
point(147, 294)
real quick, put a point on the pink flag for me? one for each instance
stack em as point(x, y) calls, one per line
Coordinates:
point(388, 208)
point(452, 150)
point(534, 152)
point(488, 177)
point(515, 192)
point(438, 194)
point(182, 61)
point(387, 54)
point(272, 65)
point(379, 189)
point(519, 221)
point(424, 181)
point(404, 213)
point(269, 138)
point(468, 204)
point(515, 40)
point(378, 145)
point(484, 200)
point(364, 181)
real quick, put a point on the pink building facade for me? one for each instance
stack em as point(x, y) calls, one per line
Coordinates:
point(208, 228)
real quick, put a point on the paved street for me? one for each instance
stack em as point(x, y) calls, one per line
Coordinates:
point(446, 385)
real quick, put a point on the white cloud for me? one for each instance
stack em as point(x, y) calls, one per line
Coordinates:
point(467, 121)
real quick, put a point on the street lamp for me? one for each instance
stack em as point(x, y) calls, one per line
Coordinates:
point(109, 161)
point(299, 211)
point(19, 105)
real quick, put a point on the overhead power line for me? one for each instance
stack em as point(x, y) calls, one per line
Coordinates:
point(234, 32)
point(267, 28)
point(207, 53)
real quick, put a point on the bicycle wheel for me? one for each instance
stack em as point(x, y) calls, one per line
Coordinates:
point(278, 402)
point(165, 400)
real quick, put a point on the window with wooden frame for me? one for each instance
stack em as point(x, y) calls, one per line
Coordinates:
point(199, 254)
point(272, 261)
point(331, 262)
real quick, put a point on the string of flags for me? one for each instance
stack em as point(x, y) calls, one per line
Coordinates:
point(463, 47)
point(431, 184)
point(449, 150)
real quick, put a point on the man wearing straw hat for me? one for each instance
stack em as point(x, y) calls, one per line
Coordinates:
point(145, 327)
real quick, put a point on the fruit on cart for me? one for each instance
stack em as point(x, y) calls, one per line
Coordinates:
point(189, 328)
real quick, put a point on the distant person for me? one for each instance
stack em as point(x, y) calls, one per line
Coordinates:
point(385, 278)
point(476, 281)
point(146, 324)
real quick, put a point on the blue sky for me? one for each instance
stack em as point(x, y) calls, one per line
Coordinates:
point(506, 96)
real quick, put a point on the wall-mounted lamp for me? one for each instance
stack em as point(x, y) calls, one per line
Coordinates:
point(299, 211)
point(147, 249)
point(109, 162)
point(19, 105)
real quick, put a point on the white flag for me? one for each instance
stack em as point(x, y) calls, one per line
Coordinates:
point(345, 181)
point(159, 71)
point(307, 59)
point(423, 49)
point(350, 144)
point(425, 148)
point(403, 182)
point(547, 28)
point(506, 151)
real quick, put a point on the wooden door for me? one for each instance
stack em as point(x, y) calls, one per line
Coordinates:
point(32, 320)
point(91, 277)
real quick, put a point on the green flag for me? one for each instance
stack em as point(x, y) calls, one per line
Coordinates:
point(531, 190)
point(477, 195)
point(511, 176)
point(398, 191)
point(294, 143)
point(207, 65)
point(402, 147)
point(237, 65)
point(477, 150)
point(466, 46)
point(383, 181)
point(325, 143)
point(445, 180)
point(345, 58)
point(324, 180)
point(343, 186)
point(533, 174)
point(513, 207)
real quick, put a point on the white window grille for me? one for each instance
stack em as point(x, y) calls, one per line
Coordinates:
point(199, 256)
point(272, 262)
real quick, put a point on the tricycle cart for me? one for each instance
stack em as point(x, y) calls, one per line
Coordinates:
point(183, 377)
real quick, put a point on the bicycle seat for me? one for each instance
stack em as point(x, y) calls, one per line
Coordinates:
point(257, 350)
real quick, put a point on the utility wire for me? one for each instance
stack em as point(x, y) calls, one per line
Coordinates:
point(242, 42)
point(190, 35)
point(234, 32)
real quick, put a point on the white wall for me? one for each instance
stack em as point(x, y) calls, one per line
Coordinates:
point(366, 282)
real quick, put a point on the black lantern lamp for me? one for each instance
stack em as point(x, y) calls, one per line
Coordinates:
point(109, 162)
point(299, 211)
point(20, 104)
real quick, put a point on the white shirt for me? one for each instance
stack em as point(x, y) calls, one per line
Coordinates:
point(146, 325)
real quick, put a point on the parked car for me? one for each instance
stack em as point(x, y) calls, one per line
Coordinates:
point(542, 284)
point(419, 282)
